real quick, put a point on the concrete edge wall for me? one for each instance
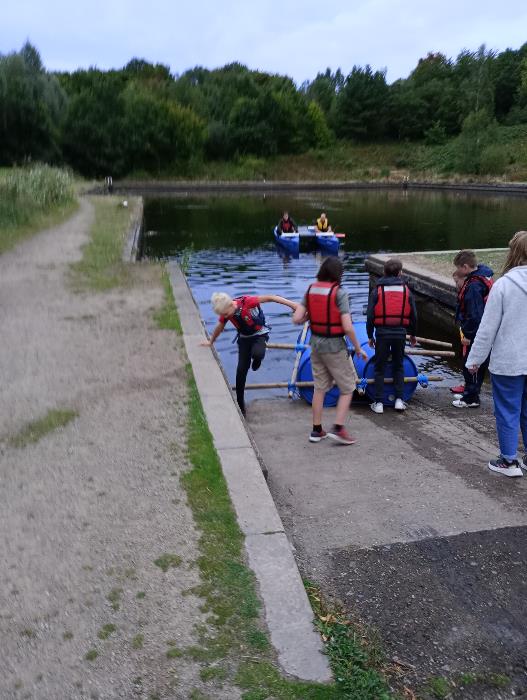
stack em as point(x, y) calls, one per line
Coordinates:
point(183, 187)
point(134, 238)
point(288, 613)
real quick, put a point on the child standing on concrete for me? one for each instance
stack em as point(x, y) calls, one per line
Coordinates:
point(472, 298)
point(391, 314)
point(326, 306)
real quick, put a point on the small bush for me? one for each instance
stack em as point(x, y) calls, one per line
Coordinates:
point(493, 160)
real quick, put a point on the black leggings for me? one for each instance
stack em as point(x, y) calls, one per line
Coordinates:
point(384, 347)
point(249, 349)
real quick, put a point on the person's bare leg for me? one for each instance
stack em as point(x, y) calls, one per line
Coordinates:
point(343, 405)
point(318, 405)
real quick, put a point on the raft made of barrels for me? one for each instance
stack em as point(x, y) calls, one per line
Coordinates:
point(364, 368)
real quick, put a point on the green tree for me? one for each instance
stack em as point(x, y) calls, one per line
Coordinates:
point(477, 134)
point(32, 105)
point(361, 105)
point(158, 132)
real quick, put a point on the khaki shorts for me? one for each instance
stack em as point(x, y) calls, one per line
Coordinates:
point(333, 367)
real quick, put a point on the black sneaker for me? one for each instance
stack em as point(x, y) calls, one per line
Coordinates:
point(317, 435)
point(505, 466)
point(256, 364)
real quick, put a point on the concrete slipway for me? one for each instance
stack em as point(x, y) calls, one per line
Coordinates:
point(408, 528)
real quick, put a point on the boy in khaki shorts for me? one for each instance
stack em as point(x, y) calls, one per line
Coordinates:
point(326, 306)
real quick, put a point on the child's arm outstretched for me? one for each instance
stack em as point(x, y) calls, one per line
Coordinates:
point(219, 328)
point(277, 299)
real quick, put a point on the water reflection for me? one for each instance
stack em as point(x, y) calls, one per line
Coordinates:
point(227, 245)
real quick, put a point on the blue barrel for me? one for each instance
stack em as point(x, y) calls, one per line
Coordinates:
point(365, 368)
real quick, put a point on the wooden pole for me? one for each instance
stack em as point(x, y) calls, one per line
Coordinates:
point(408, 351)
point(429, 341)
point(298, 356)
point(430, 353)
point(284, 385)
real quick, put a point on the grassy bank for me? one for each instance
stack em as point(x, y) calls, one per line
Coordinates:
point(102, 267)
point(506, 160)
point(441, 263)
point(33, 199)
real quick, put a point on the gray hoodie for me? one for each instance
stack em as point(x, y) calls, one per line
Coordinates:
point(503, 328)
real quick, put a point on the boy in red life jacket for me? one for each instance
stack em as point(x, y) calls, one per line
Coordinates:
point(246, 315)
point(326, 306)
point(391, 314)
point(286, 224)
point(471, 301)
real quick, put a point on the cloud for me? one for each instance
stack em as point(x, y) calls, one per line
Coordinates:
point(290, 37)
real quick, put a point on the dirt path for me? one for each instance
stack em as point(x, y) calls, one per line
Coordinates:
point(88, 509)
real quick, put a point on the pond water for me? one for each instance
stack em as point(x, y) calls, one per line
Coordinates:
point(225, 243)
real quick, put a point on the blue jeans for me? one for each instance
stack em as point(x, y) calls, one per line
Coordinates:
point(510, 409)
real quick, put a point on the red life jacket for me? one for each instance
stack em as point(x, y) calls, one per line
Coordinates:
point(324, 314)
point(286, 226)
point(487, 281)
point(247, 320)
point(393, 305)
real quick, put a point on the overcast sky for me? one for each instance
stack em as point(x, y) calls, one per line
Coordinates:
point(298, 38)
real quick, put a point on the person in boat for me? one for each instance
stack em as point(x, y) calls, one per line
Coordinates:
point(286, 224)
point(246, 315)
point(323, 224)
point(326, 306)
point(471, 300)
point(503, 333)
point(391, 315)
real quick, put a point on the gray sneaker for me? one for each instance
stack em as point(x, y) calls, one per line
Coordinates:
point(523, 461)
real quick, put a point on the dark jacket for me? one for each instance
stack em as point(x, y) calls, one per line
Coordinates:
point(393, 332)
point(295, 227)
point(470, 313)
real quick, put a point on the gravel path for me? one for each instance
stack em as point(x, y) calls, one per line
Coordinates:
point(88, 509)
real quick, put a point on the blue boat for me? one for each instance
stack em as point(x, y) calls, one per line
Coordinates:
point(328, 243)
point(289, 242)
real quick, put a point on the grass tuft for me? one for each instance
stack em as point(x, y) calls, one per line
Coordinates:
point(138, 641)
point(91, 655)
point(106, 631)
point(168, 561)
point(114, 597)
point(167, 316)
point(36, 430)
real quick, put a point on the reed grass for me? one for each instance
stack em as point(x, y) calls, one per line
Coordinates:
point(32, 198)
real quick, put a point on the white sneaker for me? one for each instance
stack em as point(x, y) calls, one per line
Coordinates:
point(400, 405)
point(505, 467)
point(377, 407)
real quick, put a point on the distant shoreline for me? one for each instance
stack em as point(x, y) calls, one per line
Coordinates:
point(182, 186)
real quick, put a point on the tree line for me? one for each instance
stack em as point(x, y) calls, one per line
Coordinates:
point(142, 118)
